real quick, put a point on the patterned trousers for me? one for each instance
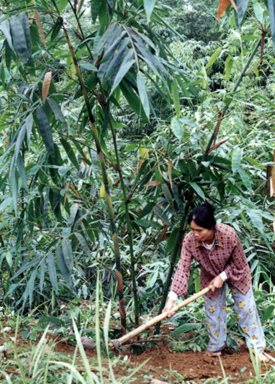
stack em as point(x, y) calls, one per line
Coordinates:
point(247, 314)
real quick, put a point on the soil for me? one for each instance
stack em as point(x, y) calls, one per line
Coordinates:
point(164, 364)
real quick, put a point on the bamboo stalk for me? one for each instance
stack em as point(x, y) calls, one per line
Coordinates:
point(117, 343)
point(106, 184)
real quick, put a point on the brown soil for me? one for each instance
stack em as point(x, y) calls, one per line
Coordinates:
point(164, 363)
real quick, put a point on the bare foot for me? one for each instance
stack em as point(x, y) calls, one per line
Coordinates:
point(212, 354)
point(263, 358)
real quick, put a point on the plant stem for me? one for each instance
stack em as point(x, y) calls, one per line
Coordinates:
point(171, 267)
point(129, 226)
point(106, 184)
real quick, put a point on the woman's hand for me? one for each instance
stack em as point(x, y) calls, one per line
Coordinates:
point(216, 283)
point(169, 305)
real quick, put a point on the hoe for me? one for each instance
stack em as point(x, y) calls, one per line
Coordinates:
point(118, 342)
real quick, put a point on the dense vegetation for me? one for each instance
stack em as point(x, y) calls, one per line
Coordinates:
point(116, 119)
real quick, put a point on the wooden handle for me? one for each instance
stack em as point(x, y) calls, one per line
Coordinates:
point(118, 342)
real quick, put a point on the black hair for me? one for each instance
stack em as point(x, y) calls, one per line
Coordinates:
point(203, 215)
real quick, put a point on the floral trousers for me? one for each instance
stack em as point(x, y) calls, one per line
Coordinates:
point(247, 314)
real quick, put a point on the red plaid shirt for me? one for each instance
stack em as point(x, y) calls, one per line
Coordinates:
point(227, 254)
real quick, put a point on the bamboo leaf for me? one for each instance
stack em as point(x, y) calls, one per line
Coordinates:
point(184, 328)
point(175, 94)
point(178, 199)
point(223, 4)
point(228, 67)
point(213, 58)
point(5, 27)
point(70, 152)
point(256, 220)
point(19, 141)
point(38, 22)
point(26, 27)
point(236, 159)
point(95, 5)
point(46, 85)
point(149, 6)
point(259, 11)
point(245, 179)
point(42, 275)
point(45, 130)
point(56, 29)
point(83, 243)
point(271, 9)
point(29, 124)
point(19, 38)
point(272, 181)
point(161, 215)
point(126, 64)
point(167, 195)
point(52, 271)
point(197, 189)
point(14, 188)
point(241, 6)
point(143, 95)
point(177, 127)
point(62, 265)
point(22, 172)
point(68, 253)
point(57, 112)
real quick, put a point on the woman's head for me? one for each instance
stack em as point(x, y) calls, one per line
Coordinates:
point(203, 216)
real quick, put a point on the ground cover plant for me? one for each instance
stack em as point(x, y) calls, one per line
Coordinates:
point(116, 119)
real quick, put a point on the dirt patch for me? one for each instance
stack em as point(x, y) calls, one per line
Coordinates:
point(164, 363)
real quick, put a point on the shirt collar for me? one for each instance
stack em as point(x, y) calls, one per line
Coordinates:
point(217, 240)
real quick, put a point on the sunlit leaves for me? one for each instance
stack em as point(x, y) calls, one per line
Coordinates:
point(236, 159)
point(177, 127)
point(149, 6)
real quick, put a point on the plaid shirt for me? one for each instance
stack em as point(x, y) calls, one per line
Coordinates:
point(226, 255)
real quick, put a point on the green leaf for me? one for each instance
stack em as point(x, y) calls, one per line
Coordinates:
point(161, 215)
point(70, 152)
point(184, 328)
point(19, 141)
point(56, 28)
point(178, 199)
point(177, 127)
point(61, 4)
point(167, 194)
point(242, 6)
point(26, 27)
point(68, 253)
point(236, 159)
point(52, 271)
point(5, 27)
point(62, 265)
point(175, 94)
point(198, 189)
point(22, 172)
point(271, 9)
point(213, 58)
point(256, 219)
point(269, 313)
point(95, 5)
point(172, 240)
point(29, 124)
point(21, 43)
point(259, 11)
point(14, 188)
point(57, 112)
point(45, 130)
point(245, 179)
point(228, 67)
point(143, 95)
point(89, 67)
point(126, 64)
point(83, 243)
point(149, 6)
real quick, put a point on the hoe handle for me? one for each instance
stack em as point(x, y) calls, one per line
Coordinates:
point(118, 342)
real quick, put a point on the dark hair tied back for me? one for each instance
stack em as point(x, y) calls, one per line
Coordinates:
point(203, 215)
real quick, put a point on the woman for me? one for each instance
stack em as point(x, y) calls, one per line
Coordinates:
point(220, 254)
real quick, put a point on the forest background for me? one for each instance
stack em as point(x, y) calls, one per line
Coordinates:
point(116, 119)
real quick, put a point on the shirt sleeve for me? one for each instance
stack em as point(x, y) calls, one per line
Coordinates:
point(180, 280)
point(237, 266)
